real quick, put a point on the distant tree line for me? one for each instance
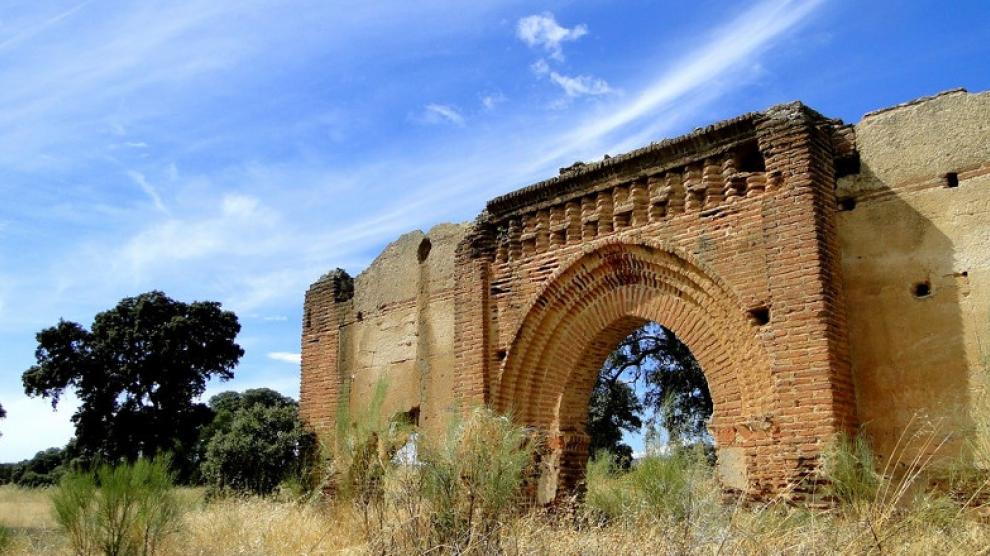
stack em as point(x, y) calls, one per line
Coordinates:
point(138, 371)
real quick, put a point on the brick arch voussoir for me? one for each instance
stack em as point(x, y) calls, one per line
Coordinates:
point(558, 303)
point(595, 289)
point(594, 277)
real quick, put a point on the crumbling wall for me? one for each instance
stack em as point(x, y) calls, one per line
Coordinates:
point(831, 246)
point(393, 322)
point(915, 238)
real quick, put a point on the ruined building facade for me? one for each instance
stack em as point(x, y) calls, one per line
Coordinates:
point(826, 277)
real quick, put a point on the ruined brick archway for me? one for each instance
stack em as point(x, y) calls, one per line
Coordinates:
point(733, 237)
point(726, 236)
point(591, 305)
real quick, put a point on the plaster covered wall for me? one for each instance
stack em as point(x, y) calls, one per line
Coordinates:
point(395, 322)
point(915, 240)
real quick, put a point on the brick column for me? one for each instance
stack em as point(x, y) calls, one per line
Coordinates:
point(814, 396)
point(328, 301)
point(573, 447)
point(471, 317)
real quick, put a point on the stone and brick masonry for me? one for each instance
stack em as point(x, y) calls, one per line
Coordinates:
point(826, 276)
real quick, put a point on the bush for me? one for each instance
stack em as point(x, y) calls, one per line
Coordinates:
point(118, 511)
point(363, 449)
point(472, 479)
point(662, 486)
point(606, 497)
point(453, 496)
point(258, 450)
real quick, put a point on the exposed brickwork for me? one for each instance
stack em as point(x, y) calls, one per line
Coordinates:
point(727, 236)
point(708, 235)
point(326, 303)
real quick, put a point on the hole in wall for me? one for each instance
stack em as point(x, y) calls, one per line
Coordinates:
point(424, 249)
point(760, 315)
point(847, 165)
point(411, 417)
point(847, 204)
point(921, 290)
point(360, 316)
point(750, 159)
point(952, 179)
point(501, 354)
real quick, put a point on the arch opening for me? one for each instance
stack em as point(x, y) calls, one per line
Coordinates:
point(586, 309)
point(651, 396)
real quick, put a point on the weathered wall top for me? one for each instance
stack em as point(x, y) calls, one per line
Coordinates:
point(949, 132)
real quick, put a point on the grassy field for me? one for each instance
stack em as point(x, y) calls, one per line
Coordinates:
point(700, 524)
point(461, 499)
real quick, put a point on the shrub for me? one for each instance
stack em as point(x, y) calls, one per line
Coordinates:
point(606, 497)
point(258, 449)
point(124, 510)
point(363, 449)
point(658, 486)
point(472, 478)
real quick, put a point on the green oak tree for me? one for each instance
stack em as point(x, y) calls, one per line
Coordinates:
point(254, 443)
point(650, 371)
point(137, 372)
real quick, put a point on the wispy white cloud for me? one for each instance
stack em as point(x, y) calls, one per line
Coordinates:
point(543, 31)
point(540, 67)
point(490, 100)
point(580, 85)
point(38, 28)
point(149, 190)
point(728, 49)
point(285, 357)
point(441, 113)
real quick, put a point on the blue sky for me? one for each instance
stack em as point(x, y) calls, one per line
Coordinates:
point(235, 151)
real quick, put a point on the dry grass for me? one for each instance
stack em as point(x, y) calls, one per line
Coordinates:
point(25, 508)
point(257, 526)
point(670, 505)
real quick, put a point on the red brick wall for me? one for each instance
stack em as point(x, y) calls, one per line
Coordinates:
point(705, 234)
point(326, 302)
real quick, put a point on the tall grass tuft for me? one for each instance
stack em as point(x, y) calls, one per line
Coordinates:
point(362, 453)
point(850, 467)
point(471, 480)
point(123, 510)
point(666, 487)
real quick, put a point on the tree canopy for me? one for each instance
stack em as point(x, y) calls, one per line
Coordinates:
point(651, 371)
point(255, 441)
point(137, 371)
